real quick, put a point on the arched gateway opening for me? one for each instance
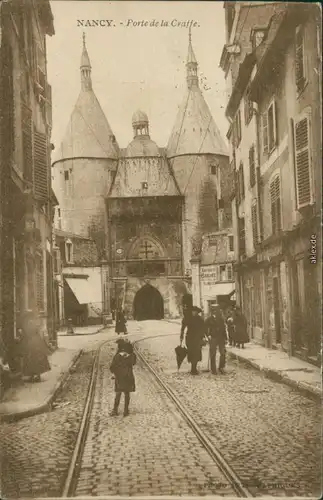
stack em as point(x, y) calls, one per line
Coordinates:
point(148, 304)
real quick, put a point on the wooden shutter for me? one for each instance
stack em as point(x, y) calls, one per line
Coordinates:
point(40, 282)
point(254, 224)
point(27, 146)
point(40, 166)
point(265, 132)
point(7, 115)
point(302, 160)
point(252, 166)
point(275, 204)
point(299, 59)
point(272, 126)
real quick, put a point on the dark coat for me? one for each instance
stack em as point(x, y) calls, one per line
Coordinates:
point(215, 328)
point(241, 328)
point(34, 351)
point(195, 331)
point(122, 368)
point(120, 323)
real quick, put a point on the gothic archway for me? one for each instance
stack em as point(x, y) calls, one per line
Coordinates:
point(148, 304)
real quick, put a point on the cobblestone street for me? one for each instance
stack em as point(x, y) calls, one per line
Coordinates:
point(267, 432)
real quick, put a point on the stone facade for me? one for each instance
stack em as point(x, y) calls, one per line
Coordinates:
point(276, 150)
point(145, 207)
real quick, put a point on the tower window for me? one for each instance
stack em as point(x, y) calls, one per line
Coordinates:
point(66, 175)
point(213, 169)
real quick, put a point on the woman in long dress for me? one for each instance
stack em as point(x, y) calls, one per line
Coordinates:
point(195, 332)
point(34, 350)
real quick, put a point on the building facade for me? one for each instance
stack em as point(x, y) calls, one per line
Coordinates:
point(26, 200)
point(146, 207)
point(272, 64)
point(78, 280)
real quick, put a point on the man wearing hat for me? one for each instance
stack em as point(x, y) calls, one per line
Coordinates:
point(216, 332)
point(195, 331)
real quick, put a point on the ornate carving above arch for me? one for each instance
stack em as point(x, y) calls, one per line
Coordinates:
point(146, 247)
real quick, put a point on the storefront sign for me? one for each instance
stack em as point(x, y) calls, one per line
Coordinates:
point(209, 275)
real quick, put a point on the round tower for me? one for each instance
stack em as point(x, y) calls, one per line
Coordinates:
point(85, 162)
point(197, 154)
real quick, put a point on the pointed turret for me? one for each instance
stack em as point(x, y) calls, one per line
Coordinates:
point(85, 68)
point(195, 131)
point(88, 133)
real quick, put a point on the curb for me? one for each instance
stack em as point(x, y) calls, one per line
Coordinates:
point(303, 387)
point(46, 406)
point(64, 334)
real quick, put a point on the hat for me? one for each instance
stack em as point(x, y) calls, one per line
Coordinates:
point(197, 309)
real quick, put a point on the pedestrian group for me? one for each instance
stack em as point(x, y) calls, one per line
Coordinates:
point(216, 330)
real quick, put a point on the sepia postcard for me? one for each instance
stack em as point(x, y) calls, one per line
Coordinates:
point(160, 249)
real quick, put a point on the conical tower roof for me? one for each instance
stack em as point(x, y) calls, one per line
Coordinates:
point(88, 134)
point(195, 131)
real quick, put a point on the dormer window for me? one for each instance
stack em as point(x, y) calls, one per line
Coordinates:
point(257, 37)
point(69, 251)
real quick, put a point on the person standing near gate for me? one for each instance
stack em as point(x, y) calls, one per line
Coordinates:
point(121, 322)
point(216, 332)
point(195, 332)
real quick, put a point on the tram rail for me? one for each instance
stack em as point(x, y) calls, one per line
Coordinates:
point(74, 469)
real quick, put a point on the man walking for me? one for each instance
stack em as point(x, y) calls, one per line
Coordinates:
point(216, 332)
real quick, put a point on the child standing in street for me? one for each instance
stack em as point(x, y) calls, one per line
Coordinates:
point(122, 368)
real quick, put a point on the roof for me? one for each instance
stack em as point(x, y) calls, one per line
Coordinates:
point(88, 134)
point(154, 172)
point(142, 146)
point(195, 130)
point(139, 117)
point(67, 234)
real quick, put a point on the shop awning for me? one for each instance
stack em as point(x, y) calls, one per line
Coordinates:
point(223, 288)
point(84, 290)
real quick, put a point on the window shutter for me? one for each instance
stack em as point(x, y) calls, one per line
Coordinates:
point(302, 160)
point(40, 166)
point(275, 205)
point(8, 102)
point(299, 60)
point(274, 105)
point(265, 132)
point(40, 282)
point(27, 145)
point(252, 167)
point(254, 224)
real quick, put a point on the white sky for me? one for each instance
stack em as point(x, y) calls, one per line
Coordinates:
point(135, 67)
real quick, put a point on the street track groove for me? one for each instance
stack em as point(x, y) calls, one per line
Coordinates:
point(70, 485)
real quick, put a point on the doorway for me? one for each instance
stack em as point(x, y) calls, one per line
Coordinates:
point(277, 309)
point(148, 304)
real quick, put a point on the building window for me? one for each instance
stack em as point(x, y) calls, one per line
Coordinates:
point(254, 223)
point(230, 272)
point(237, 129)
point(258, 37)
point(275, 204)
point(300, 69)
point(56, 261)
point(213, 169)
point(241, 191)
point(252, 166)
point(269, 128)
point(304, 195)
point(231, 243)
point(69, 251)
point(242, 237)
point(248, 108)
point(144, 185)
point(66, 175)
point(212, 240)
point(222, 273)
